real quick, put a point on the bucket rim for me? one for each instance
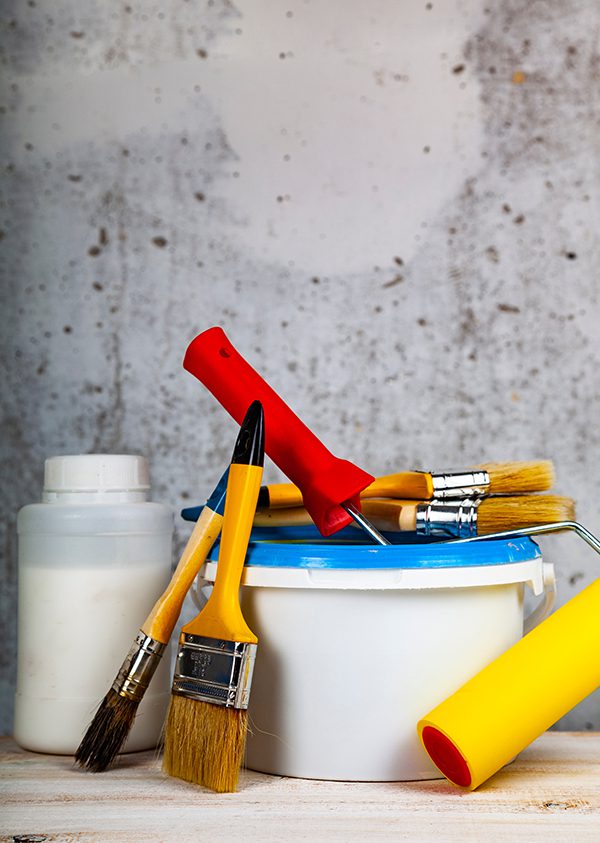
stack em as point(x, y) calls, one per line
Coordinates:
point(296, 548)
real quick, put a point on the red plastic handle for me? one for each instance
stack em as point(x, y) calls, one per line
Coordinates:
point(325, 480)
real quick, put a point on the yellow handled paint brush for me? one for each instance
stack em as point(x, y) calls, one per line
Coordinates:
point(493, 478)
point(452, 518)
point(205, 735)
point(114, 718)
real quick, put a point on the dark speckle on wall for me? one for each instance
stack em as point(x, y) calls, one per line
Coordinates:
point(397, 279)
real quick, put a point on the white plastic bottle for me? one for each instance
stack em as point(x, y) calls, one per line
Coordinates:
point(93, 558)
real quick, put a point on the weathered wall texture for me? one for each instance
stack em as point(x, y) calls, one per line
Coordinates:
point(392, 209)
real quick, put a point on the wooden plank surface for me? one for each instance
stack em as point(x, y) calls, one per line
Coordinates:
point(551, 793)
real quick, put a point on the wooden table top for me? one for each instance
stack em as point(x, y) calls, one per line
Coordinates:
point(550, 793)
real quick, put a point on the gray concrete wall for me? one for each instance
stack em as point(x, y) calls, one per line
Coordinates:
point(391, 208)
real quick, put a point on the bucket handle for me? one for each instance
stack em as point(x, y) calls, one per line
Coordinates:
point(545, 606)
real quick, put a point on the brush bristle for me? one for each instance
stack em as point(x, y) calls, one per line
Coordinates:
point(205, 743)
point(107, 732)
point(511, 513)
point(514, 477)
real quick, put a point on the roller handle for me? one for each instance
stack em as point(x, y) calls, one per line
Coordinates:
point(324, 480)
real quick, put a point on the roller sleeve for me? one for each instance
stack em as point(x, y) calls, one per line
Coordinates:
point(502, 709)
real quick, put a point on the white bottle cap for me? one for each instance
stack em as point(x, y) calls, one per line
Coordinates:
point(96, 473)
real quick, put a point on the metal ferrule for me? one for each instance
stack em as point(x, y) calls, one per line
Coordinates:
point(214, 670)
point(138, 668)
point(457, 519)
point(459, 484)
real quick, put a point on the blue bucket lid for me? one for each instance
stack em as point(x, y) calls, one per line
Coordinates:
point(304, 547)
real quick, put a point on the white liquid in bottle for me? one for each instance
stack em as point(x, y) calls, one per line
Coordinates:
point(93, 559)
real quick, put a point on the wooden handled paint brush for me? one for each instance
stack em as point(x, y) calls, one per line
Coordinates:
point(493, 479)
point(205, 735)
point(469, 516)
point(460, 519)
point(114, 718)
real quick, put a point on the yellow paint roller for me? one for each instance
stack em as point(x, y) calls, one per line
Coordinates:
point(502, 709)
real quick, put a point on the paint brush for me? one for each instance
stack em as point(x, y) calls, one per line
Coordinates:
point(469, 516)
point(330, 486)
point(489, 479)
point(114, 718)
point(205, 735)
point(460, 518)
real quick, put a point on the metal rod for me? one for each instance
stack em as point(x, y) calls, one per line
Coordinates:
point(364, 524)
point(538, 529)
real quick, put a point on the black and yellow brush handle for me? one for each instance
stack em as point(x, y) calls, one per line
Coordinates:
point(222, 617)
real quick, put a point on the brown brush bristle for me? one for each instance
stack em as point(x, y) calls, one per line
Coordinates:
point(514, 477)
point(511, 513)
point(107, 732)
point(205, 743)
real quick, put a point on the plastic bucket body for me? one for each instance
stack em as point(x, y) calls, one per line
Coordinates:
point(357, 642)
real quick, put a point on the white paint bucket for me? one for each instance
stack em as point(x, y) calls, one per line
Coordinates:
point(357, 642)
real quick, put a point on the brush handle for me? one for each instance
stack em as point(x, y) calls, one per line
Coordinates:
point(388, 515)
point(411, 485)
point(324, 480)
point(162, 619)
point(291, 516)
point(392, 515)
point(284, 496)
point(222, 616)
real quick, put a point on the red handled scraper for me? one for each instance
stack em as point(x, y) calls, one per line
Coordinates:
point(330, 486)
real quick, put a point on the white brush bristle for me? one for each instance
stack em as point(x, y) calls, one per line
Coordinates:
point(515, 477)
point(511, 513)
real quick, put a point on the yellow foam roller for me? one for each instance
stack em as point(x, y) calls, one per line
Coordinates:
point(508, 704)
